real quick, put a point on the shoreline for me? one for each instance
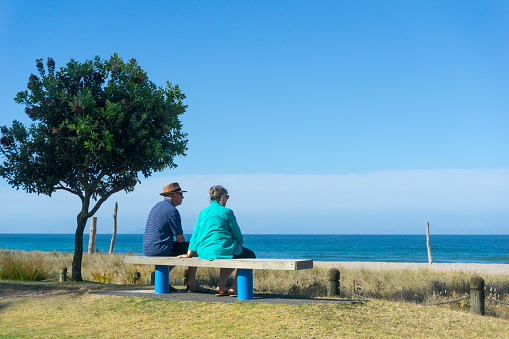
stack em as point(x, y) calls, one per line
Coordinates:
point(443, 267)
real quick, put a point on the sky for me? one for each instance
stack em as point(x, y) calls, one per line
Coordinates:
point(319, 117)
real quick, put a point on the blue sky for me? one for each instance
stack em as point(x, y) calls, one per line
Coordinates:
point(341, 117)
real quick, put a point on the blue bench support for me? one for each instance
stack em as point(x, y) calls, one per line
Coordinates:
point(244, 284)
point(162, 279)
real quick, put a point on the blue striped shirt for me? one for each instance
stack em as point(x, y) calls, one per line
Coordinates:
point(163, 223)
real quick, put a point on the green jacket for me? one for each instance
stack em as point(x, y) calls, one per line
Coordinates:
point(216, 234)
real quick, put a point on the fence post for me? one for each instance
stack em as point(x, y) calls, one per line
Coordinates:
point(136, 277)
point(91, 240)
point(430, 259)
point(477, 295)
point(186, 276)
point(63, 274)
point(333, 282)
point(114, 235)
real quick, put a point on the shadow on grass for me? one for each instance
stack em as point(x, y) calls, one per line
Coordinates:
point(300, 297)
point(4, 304)
point(26, 288)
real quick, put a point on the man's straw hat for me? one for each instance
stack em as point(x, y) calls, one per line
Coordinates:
point(171, 188)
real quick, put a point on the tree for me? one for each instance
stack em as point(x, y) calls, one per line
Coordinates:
point(96, 127)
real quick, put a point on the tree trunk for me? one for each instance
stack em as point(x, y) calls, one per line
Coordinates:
point(78, 248)
point(78, 237)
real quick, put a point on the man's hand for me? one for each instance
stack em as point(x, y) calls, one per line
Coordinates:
point(188, 255)
point(180, 238)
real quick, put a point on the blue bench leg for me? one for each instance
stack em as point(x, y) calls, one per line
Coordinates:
point(244, 284)
point(162, 279)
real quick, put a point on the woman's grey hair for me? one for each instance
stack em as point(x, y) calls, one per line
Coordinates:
point(216, 192)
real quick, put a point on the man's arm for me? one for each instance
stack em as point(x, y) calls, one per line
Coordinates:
point(176, 226)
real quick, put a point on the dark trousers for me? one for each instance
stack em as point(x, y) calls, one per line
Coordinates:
point(245, 254)
point(179, 248)
point(182, 248)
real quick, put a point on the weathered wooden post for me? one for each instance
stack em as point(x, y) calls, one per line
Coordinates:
point(63, 274)
point(186, 276)
point(477, 295)
point(136, 277)
point(114, 236)
point(91, 240)
point(333, 282)
point(153, 278)
point(430, 260)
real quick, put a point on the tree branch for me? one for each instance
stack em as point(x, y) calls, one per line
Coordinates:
point(68, 190)
point(103, 199)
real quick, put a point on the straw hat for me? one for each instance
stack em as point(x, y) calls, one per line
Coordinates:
point(171, 188)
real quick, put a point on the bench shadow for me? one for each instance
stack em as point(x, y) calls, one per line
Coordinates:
point(302, 298)
point(4, 304)
point(20, 288)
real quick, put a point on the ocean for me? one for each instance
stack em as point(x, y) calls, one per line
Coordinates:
point(487, 249)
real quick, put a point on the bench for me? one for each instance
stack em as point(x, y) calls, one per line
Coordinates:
point(244, 268)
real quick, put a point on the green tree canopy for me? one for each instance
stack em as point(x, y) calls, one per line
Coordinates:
point(96, 127)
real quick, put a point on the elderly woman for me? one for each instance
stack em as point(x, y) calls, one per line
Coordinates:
point(217, 236)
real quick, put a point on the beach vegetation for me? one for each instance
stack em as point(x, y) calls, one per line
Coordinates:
point(102, 277)
point(417, 287)
point(24, 266)
point(96, 128)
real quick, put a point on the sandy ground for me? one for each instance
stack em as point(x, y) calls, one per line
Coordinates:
point(475, 268)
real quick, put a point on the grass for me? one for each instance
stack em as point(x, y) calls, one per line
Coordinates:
point(68, 310)
point(23, 266)
point(411, 286)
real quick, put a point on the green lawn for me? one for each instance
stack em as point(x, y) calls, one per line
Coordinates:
point(28, 312)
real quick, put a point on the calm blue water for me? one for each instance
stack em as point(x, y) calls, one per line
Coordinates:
point(390, 248)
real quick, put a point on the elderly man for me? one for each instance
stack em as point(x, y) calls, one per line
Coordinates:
point(163, 224)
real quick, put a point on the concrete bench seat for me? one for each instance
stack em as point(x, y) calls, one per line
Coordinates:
point(244, 268)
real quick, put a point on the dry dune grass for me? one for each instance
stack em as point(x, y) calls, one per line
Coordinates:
point(401, 285)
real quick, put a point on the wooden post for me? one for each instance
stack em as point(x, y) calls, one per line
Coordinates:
point(91, 240)
point(114, 236)
point(152, 278)
point(477, 295)
point(63, 274)
point(333, 282)
point(430, 259)
point(186, 276)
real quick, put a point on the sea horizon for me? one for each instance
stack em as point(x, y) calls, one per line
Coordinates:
point(445, 248)
point(363, 234)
